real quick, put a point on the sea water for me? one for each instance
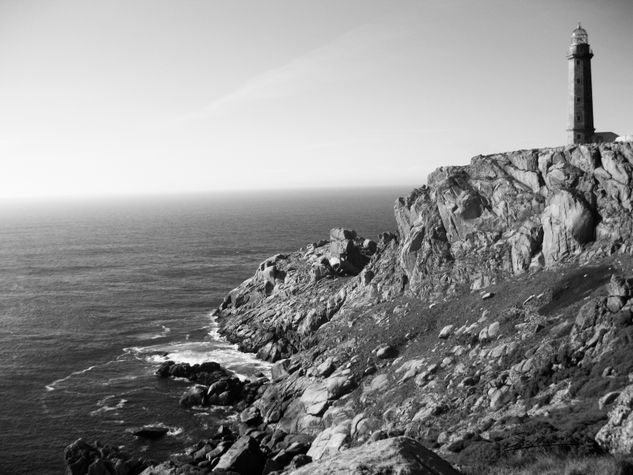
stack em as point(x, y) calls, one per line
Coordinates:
point(95, 294)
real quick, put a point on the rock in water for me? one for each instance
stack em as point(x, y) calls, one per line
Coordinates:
point(397, 456)
point(151, 432)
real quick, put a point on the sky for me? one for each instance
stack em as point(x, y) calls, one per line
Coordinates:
point(109, 97)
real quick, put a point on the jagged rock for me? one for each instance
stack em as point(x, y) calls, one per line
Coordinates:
point(194, 396)
point(79, 455)
point(366, 276)
point(326, 368)
point(607, 399)
point(251, 416)
point(446, 331)
point(620, 287)
point(224, 392)
point(386, 352)
point(299, 461)
point(82, 458)
point(500, 397)
point(478, 223)
point(279, 370)
point(341, 234)
point(616, 435)
point(244, 457)
point(204, 373)
point(330, 441)
point(399, 455)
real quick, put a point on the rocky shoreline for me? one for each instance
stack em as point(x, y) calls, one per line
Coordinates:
point(494, 325)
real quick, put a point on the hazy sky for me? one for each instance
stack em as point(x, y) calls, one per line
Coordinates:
point(152, 96)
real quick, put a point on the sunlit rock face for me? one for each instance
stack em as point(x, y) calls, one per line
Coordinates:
point(507, 213)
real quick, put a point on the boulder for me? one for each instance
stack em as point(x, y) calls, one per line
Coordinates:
point(194, 396)
point(151, 432)
point(315, 399)
point(341, 234)
point(326, 368)
point(397, 456)
point(224, 392)
point(568, 223)
point(244, 457)
point(493, 330)
point(331, 441)
point(384, 352)
point(446, 332)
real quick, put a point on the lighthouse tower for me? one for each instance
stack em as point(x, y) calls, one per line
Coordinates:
point(580, 120)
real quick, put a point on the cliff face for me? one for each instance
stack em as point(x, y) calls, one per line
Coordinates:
point(509, 213)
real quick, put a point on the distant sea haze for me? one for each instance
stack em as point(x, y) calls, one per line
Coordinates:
point(94, 296)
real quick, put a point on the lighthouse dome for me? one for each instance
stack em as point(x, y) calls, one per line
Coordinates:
point(579, 36)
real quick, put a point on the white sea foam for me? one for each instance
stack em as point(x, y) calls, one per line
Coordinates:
point(195, 352)
point(104, 406)
point(52, 386)
point(154, 335)
point(174, 431)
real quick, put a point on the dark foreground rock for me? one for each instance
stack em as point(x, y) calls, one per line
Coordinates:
point(216, 386)
point(83, 458)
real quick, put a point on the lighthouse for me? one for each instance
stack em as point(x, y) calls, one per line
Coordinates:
point(580, 127)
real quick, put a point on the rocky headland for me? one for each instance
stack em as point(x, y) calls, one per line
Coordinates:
point(491, 333)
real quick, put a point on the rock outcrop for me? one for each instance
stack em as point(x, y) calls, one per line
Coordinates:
point(397, 456)
point(508, 213)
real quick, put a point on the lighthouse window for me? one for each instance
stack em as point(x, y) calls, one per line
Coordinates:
point(577, 117)
point(578, 99)
point(577, 81)
point(577, 61)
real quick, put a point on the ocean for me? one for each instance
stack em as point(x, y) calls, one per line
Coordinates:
point(94, 294)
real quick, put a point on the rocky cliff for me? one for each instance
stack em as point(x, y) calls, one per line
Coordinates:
point(505, 214)
point(496, 324)
point(471, 226)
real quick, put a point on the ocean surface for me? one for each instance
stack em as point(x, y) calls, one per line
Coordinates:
point(93, 294)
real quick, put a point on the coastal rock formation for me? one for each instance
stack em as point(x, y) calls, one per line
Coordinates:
point(84, 458)
point(262, 315)
point(496, 323)
point(216, 386)
point(471, 226)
